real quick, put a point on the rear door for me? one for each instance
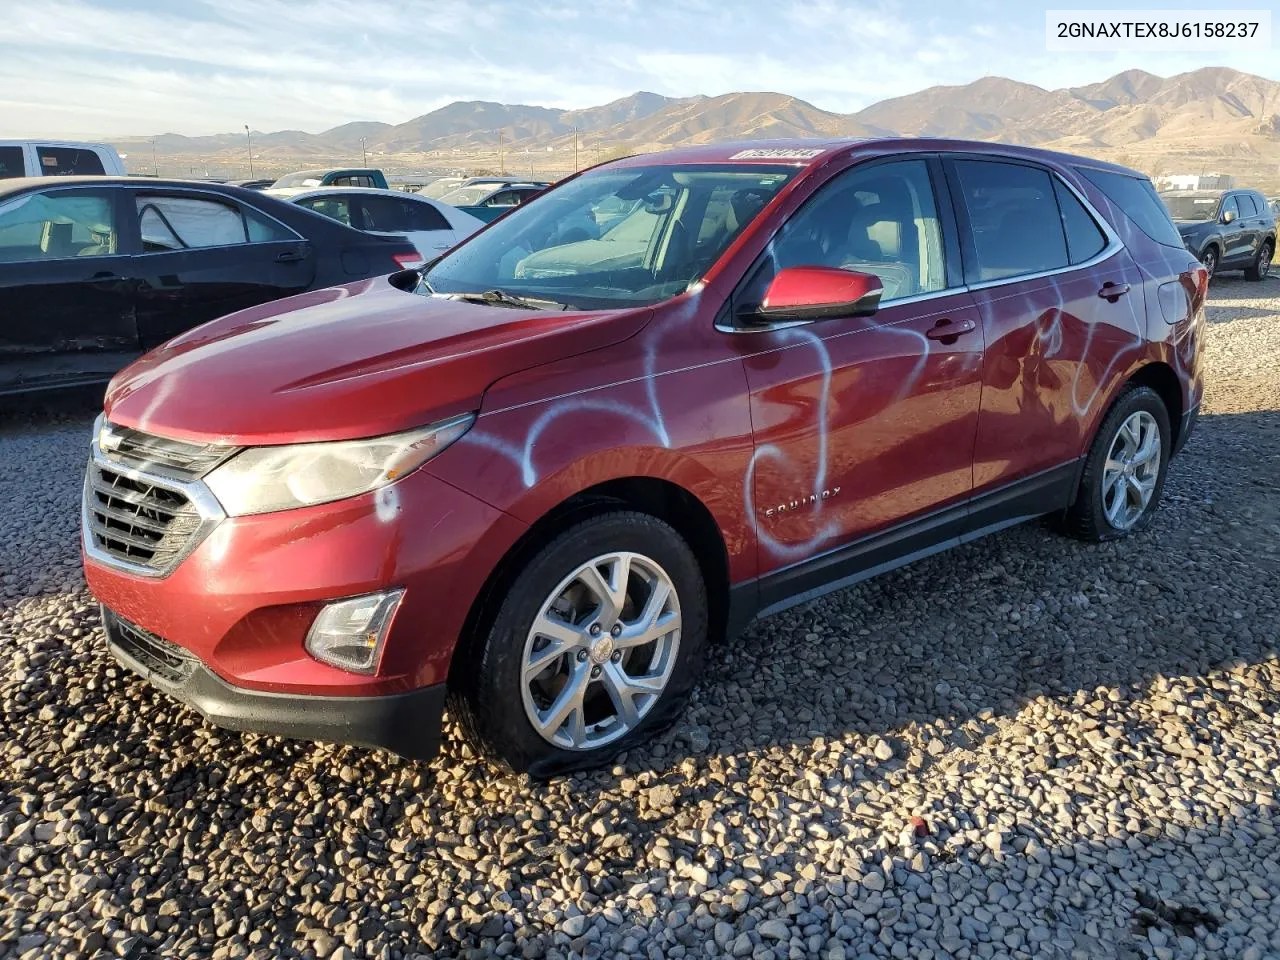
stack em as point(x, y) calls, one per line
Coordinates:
point(1251, 224)
point(204, 255)
point(66, 294)
point(1052, 287)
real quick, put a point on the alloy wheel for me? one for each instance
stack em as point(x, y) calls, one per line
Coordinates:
point(1264, 264)
point(1210, 261)
point(1132, 470)
point(601, 651)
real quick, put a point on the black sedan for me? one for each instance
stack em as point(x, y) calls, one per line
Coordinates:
point(95, 271)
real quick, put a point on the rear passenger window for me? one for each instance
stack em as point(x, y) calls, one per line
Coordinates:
point(1247, 207)
point(1013, 218)
point(68, 161)
point(11, 163)
point(1085, 238)
point(423, 216)
point(181, 223)
point(880, 220)
point(1137, 199)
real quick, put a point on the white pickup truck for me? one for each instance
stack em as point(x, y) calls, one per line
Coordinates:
point(57, 158)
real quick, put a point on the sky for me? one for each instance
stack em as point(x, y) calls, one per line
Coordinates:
point(105, 68)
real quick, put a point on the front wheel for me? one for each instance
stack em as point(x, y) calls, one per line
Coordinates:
point(595, 647)
point(1262, 266)
point(1210, 261)
point(1125, 469)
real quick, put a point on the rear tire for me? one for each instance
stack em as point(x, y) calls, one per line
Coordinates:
point(555, 647)
point(1262, 264)
point(1129, 459)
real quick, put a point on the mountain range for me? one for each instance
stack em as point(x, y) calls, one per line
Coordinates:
point(1210, 113)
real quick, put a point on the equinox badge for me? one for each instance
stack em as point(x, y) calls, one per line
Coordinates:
point(792, 505)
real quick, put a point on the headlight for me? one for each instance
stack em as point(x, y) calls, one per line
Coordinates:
point(263, 479)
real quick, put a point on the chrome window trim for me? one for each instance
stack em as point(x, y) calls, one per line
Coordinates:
point(1113, 246)
point(200, 496)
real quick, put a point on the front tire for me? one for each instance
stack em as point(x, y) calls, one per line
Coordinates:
point(1210, 261)
point(1262, 265)
point(595, 647)
point(1124, 471)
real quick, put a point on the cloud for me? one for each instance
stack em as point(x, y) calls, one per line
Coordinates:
point(100, 67)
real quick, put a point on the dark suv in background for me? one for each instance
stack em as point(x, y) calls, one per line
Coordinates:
point(1226, 229)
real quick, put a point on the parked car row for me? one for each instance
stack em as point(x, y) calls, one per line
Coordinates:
point(94, 271)
point(1226, 229)
point(538, 476)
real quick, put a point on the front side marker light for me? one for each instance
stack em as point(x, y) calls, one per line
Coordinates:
point(349, 634)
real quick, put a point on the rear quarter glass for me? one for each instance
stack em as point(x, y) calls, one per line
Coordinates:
point(1136, 200)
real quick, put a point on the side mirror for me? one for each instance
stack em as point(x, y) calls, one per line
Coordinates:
point(815, 293)
point(1228, 216)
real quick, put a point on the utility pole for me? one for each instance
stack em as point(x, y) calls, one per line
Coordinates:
point(364, 151)
point(502, 165)
point(248, 137)
point(155, 166)
point(575, 149)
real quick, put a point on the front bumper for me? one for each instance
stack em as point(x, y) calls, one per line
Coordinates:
point(406, 723)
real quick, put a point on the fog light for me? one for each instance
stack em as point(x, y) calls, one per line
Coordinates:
point(349, 633)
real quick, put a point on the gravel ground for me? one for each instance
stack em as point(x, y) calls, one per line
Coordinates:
point(1025, 748)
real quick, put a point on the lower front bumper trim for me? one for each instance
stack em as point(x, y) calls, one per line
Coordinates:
point(407, 724)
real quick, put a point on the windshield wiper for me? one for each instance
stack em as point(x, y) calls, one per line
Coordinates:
point(500, 298)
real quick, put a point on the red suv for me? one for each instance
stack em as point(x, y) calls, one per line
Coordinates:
point(671, 394)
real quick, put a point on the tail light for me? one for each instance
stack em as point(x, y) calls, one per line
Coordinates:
point(408, 261)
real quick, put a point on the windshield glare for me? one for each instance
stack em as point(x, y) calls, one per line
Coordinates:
point(615, 237)
point(1191, 208)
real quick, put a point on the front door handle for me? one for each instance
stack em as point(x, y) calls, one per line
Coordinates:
point(948, 330)
point(1111, 292)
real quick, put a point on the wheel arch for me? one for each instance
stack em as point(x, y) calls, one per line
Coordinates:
point(1160, 377)
point(661, 498)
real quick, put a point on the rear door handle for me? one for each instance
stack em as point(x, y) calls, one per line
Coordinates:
point(948, 330)
point(1111, 292)
point(290, 256)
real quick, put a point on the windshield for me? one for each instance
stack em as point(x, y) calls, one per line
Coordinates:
point(1191, 208)
point(614, 237)
point(308, 178)
point(467, 196)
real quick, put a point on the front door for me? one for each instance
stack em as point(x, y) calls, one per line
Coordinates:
point(66, 293)
point(204, 256)
point(863, 423)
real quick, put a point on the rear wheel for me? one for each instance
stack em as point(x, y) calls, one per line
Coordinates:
point(595, 647)
point(1124, 471)
point(1261, 266)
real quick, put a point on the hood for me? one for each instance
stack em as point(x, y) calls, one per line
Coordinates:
point(353, 361)
point(1186, 227)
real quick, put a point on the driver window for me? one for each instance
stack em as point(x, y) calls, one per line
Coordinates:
point(1229, 206)
point(880, 220)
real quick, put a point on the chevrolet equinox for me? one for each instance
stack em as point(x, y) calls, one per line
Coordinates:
point(534, 479)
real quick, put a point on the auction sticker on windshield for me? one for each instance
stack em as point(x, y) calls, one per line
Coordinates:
point(777, 153)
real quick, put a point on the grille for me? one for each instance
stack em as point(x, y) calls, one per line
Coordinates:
point(135, 521)
point(171, 458)
point(166, 660)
